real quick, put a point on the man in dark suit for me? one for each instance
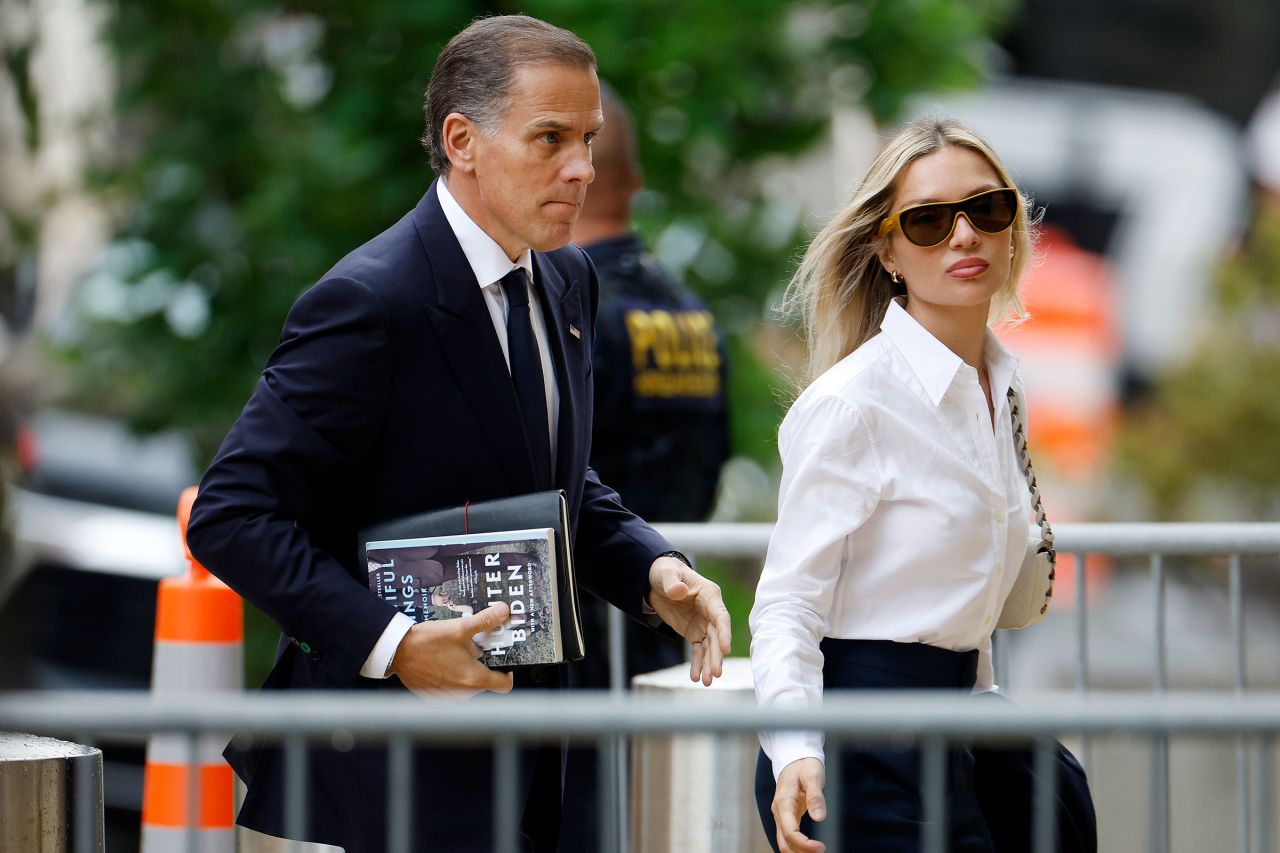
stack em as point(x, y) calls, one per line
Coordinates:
point(472, 304)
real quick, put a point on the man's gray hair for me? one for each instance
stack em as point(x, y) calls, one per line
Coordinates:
point(474, 73)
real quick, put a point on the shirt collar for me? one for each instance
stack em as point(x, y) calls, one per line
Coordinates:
point(935, 365)
point(487, 260)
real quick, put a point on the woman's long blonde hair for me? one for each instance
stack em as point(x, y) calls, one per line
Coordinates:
point(841, 291)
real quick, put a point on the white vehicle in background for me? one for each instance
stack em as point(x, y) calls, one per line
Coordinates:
point(93, 517)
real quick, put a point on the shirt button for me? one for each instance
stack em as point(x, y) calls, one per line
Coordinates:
point(999, 568)
point(987, 620)
point(1000, 517)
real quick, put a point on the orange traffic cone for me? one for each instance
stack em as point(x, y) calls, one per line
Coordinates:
point(199, 641)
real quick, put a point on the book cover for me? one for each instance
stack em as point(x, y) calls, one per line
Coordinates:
point(530, 511)
point(448, 577)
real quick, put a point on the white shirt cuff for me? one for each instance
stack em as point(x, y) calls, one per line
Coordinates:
point(786, 747)
point(651, 617)
point(375, 666)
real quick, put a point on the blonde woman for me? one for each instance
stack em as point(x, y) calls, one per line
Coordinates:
point(902, 515)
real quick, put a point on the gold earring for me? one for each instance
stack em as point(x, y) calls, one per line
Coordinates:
point(895, 277)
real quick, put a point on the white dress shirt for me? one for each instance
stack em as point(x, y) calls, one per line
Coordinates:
point(902, 515)
point(489, 263)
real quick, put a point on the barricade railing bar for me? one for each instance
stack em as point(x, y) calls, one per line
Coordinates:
point(869, 714)
point(1195, 538)
point(933, 722)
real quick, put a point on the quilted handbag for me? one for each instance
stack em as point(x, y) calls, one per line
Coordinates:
point(1028, 601)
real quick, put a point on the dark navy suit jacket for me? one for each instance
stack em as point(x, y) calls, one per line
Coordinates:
point(387, 395)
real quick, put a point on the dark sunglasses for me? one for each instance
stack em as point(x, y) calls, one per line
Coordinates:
point(929, 224)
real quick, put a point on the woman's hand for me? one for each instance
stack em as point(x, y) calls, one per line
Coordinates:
point(799, 790)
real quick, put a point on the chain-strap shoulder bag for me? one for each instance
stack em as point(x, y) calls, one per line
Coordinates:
point(1028, 601)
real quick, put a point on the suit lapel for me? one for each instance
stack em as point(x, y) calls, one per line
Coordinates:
point(461, 320)
point(559, 302)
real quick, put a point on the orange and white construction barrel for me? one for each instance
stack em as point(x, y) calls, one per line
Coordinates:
point(198, 647)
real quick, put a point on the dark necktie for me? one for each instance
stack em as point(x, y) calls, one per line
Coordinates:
point(526, 373)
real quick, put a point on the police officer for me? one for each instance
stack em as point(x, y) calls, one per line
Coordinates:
point(660, 418)
point(661, 428)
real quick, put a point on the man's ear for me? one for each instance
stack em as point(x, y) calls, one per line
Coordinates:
point(459, 135)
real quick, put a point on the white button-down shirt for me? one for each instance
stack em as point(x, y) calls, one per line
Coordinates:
point(901, 515)
point(489, 263)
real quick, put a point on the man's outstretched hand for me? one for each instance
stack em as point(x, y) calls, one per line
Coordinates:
point(692, 605)
point(441, 657)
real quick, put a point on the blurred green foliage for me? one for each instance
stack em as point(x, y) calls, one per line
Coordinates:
point(1203, 445)
point(259, 142)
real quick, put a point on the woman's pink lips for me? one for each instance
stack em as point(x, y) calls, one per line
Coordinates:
point(967, 268)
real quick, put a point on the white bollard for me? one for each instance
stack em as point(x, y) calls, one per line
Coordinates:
point(695, 793)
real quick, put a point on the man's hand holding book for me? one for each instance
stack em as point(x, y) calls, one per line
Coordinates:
point(441, 656)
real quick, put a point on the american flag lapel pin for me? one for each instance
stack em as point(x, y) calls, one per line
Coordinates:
point(573, 330)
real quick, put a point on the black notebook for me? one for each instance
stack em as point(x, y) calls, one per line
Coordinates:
point(448, 563)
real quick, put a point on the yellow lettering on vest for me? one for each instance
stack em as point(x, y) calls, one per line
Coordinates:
point(640, 330)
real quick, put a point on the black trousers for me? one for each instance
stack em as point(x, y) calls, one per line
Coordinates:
point(989, 791)
point(1006, 783)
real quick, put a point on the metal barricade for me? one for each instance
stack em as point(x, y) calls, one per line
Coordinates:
point(1249, 718)
point(1156, 542)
